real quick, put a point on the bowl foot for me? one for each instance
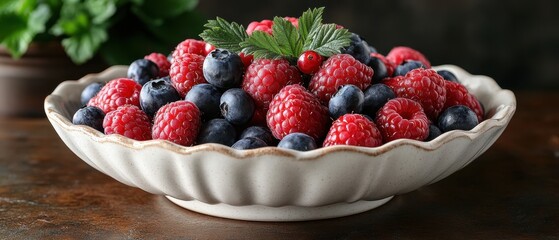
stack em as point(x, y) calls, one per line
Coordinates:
point(279, 214)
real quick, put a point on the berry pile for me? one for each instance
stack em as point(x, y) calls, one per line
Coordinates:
point(289, 82)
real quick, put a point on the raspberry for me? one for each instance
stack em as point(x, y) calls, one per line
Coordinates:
point(337, 71)
point(208, 49)
point(294, 109)
point(186, 72)
point(162, 63)
point(192, 46)
point(424, 86)
point(457, 94)
point(402, 118)
point(115, 93)
point(266, 25)
point(177, 122)
point(353, 129)
point(264, 78)
point(398, 55)
point(389, 65)
point(129, 121)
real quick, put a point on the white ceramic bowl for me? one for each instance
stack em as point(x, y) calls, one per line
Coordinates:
point(271, 184)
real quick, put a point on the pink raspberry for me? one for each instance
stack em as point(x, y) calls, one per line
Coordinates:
point(116, 93)
point(355, 130)
point(400, 54)
point(339, 70)
point(402, 118)
point(129, 121)
point(161, 61)
point(294, 109)
point(191, 46)
point(178, 122)
point(186, 72)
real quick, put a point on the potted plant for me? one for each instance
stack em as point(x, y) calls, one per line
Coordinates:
point(43, 42)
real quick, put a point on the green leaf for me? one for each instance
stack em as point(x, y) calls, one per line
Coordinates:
point(327, 40)
point(309, 20)
point(101, 10)
point(223, 34)
point(261, 45)
point(8, 6)
point(73, 20)
point(20, 30)
point(82, 47)
point(287, 37)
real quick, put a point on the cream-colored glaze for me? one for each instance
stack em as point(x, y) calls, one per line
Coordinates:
point(272, 184)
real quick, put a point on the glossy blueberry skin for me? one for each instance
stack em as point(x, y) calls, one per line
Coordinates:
point(371, 48)
point(249, 143)
point(376, 96)
point(261, 133)
point(434, 132)
point(90, 91)
point(206, 97)
point(348, 99)
point(89, 116)
point(155, 94)
point(380, 71)
point(358, 48)
point(448, 75)
point(217, 130)
point(142, 71)
point(223, 69)
point(298, 141)
point(407, 66)
point(236, 106)
point(457, 117)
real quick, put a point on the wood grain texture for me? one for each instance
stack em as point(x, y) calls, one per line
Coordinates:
point(510, 192)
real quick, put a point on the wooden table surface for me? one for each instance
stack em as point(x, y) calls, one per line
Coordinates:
point(510, 192)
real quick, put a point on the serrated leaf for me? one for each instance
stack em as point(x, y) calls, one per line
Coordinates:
point(309, 20)
point(287, 37)
point(82, 47)
point(261, 45)
point(223, 34)
point(327, 40)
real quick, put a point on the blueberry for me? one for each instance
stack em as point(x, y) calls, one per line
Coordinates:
point(376, 96)
point(348, 99)
point(372, 49)
point(457, 117)
point(380, 71)
point(236, 106)
point(407, 66)
point(143, 70)
point(434, 132)
point(448, 75)
point(89, 116)
point(206, 97)
point(90, 91)
point(298, 141)
point(358, 48)
point(223, 69)
point(155, 94)
point(261, 133)
point(249, 143)
point(217, 130)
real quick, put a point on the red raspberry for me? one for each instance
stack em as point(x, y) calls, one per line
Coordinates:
point(424, 86)
point(294, 109)
point(177, 122)
point(208, 48)
point(129, 121)
point(192, 46)
point(266, 25)
point(400, 54)
point(402, 118)
point(266, 77)
point(355, 130)
point(186, 72)
point(162, 63)
point(246, 59)
point(339, 70)
point(457, 94)
point(116, 93)
point(389, 65)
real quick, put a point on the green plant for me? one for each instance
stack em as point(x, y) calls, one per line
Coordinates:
point(117, 30)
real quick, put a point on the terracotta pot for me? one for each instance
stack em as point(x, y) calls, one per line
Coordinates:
point(24, 83)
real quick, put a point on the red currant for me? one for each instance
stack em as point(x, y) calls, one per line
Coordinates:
point(246, 59)
point(309, 62)
point(208, 48)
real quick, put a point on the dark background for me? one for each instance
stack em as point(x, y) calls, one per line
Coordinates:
point(515, 42)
